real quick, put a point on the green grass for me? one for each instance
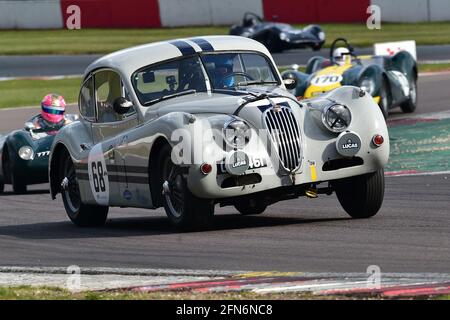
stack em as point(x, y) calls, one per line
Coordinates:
point(108, 40)
point(434, 67)
point(25, 92)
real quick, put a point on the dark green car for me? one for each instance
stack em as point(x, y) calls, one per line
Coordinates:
point(24, 155)
point(390, 80)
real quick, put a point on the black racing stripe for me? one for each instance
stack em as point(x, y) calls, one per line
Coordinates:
point(81, 166)
point(128, 169)
point(184, 47)
point(203, 44)
point(82, 176)
point(117, 178)
point(128, 179)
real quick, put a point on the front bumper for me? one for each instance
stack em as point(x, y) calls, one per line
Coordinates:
point(315, 168)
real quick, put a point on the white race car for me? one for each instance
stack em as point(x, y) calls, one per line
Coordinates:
point(191, 123)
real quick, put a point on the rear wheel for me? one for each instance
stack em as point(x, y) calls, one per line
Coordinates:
point(184, 210)
point(272, 43)
point(2, 184)
point(250, 206)
point(81, 214)
point(411, 104)
point(361, 196)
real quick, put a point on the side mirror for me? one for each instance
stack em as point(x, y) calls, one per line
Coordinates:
point(29, 126)
point(290, 83)
point(122, 105)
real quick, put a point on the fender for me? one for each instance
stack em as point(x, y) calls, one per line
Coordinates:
point(374, 72)
point(316, 63)
point(404, 62)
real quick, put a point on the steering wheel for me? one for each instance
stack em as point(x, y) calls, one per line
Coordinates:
point(347, 45)
point(238, 73)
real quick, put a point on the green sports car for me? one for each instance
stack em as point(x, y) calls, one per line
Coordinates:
point(24, 155)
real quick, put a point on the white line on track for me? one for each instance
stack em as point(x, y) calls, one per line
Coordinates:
point(400, 174)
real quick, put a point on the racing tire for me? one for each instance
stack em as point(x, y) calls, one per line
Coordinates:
point(19, 187)
point(82, 215)
point(361, 196)
point(410, 105)
point(185, 211)
point(316, 47)
point(385, 100)
point(250, 207)
point(272, 43)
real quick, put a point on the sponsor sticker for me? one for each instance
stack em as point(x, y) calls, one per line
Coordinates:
point(326, 80)
point(98, 175)
point(348, 144)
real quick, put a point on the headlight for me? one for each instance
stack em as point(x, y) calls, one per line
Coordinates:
point(26, 153)
point(336, 117)
point(321, 36)
point(283, 36)
point(368, 85)
point(237, 133)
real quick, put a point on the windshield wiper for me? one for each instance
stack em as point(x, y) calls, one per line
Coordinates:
point(232, 91)
point(169, 96)
point(249, 83)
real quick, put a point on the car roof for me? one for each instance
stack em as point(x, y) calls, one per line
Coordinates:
point(129, 60)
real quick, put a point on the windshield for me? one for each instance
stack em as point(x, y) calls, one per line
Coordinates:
point(187, 75)
point(230, 70)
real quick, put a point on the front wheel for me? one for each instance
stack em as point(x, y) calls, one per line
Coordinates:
point(18, 185)
point(184, 210)
point(384, 99)
point(410, 105)
point(81, 214)
point(361, 196)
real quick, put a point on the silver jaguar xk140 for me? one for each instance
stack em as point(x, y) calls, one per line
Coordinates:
point(191, 123)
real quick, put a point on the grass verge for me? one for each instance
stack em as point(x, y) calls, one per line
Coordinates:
point(85, 41)
point(29, 92)
point(53, 293)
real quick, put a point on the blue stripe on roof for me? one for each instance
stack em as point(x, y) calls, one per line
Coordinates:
point(184, 47)
point(203, 44)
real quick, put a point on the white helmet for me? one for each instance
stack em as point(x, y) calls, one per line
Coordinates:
point(340, 55)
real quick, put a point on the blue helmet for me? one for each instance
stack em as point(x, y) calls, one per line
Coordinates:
point(223, 66)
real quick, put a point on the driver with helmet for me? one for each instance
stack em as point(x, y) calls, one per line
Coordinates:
point(51, 117)
point(221, 70)
point(342, 56)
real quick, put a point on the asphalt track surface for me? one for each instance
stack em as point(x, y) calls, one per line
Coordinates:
point(56, 65)
point(409, 234)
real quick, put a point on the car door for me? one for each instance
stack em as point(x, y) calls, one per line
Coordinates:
point(106, 165)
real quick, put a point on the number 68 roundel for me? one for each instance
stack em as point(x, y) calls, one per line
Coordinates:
point(98, 175)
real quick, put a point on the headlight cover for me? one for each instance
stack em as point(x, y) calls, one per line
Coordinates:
point(237, 133)
point(321, 36)
point(26, 153)
point(283, 36)
point(368, 85)
point(336, 117)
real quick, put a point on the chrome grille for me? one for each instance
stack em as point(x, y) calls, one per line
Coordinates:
point(285, 134)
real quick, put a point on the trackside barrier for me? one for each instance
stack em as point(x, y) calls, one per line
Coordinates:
point(54, 14)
